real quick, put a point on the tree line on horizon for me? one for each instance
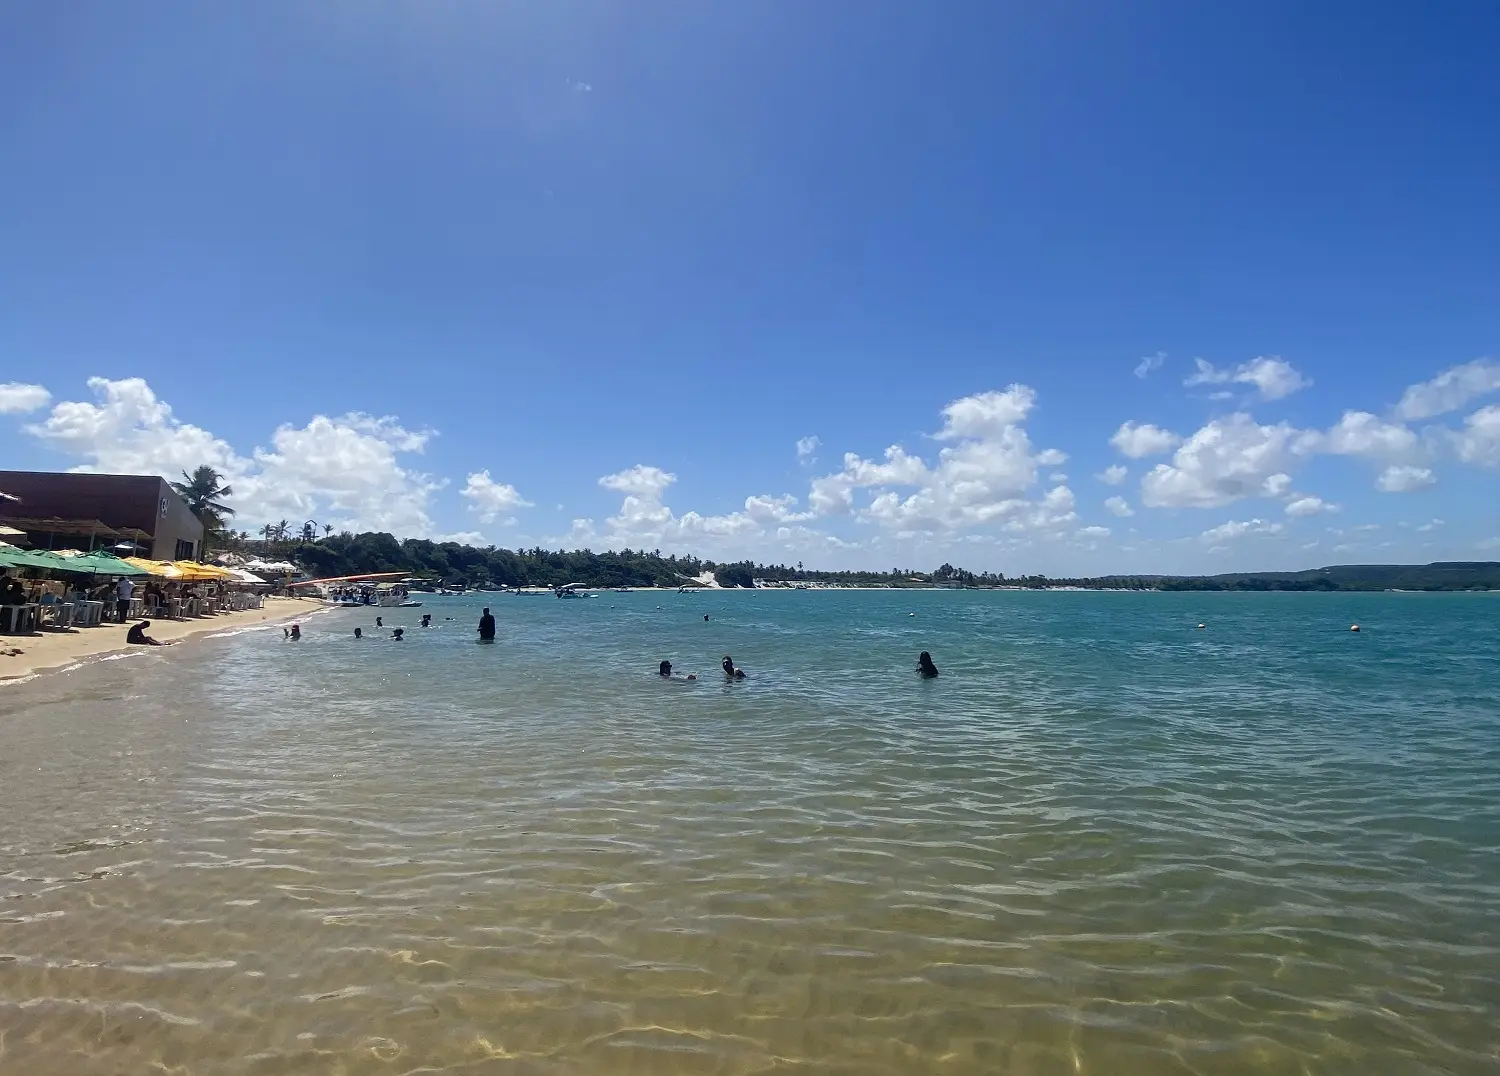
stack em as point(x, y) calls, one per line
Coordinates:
point(346, 553)
point(455, 564)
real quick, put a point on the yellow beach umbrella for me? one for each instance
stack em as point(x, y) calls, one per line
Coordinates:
point(162, 569)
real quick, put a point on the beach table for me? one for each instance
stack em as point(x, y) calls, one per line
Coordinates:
point(56, 615)
point(18, 618)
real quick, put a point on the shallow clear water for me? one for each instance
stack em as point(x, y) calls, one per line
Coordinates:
point(1103, 841)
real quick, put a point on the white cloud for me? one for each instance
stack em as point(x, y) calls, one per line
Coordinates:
point(17, 398)
point(988, 414)
point(1149, 364)
point(344, 470)
point(1359, 433)
point(640, 481)
point(807, 449)
point(1431, 525)
point(1092, 532)
point(1233, 529)
point(1479, 441)
point(490, 499)
point(1113, 475)
point(980, 479)
point(1140, 441)
point(1276, 485)
point(1273, 378)
point(473, 538)
point(644, 519)
point(1450, 390)
point(1119, 506)
point(1225, 461)
point(1400, 478)
point(1306, 504)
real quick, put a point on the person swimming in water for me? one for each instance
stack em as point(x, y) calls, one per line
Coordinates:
point(664, 670)
point(359, 633)
point(379, 623)
point(925, 666)
point(426, 620)
point(399, 635)
point(137, 635)
point(731, 671)
point(486, 627)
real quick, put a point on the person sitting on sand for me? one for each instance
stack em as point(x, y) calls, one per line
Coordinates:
point(486, 626)
point(731, 672)
point(925, 665)
point(138, 636)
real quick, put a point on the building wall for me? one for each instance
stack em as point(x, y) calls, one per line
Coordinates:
point(145, 502)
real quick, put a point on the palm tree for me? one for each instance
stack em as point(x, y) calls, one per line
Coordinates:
point(202, 491)
point(327, 529)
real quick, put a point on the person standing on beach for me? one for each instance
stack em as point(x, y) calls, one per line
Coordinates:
point(124, 590)
point(486, 627)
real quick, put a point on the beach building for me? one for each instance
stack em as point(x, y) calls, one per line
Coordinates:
point(60, 510)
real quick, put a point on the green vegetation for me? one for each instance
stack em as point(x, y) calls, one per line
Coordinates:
point(451, 563)
point(203, 490)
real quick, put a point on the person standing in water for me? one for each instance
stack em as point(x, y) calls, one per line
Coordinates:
point(486, 626)
point(426, 620)
point(379, 623)
point(925, 666)
point(359, 633)
point(731, 672)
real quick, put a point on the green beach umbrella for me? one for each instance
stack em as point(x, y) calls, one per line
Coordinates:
point(99, 563)
point(11, 557)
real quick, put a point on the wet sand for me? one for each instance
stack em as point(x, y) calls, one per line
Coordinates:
point(57, 649)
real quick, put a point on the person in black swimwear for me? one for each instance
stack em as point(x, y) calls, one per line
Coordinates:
point(486, 626)
point(138, 636)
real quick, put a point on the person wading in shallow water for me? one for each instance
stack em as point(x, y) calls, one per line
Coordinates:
point(731, 671)
point(925, 666)
point(486, 627)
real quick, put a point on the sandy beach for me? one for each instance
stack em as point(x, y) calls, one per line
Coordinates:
point(56, 649)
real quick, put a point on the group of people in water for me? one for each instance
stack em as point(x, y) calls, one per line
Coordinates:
point(486, 631)
point(733, 672)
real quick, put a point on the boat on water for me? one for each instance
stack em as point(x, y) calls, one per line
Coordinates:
point(379, 590)
point(573, 590)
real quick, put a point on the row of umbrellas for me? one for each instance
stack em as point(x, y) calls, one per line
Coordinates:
point(104, 563)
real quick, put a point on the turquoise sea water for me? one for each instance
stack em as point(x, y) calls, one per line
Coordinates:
point(1102, 841)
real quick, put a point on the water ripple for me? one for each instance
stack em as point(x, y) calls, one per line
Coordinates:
point(1100, 842)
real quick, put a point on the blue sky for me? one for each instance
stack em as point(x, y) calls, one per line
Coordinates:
point(615, 261)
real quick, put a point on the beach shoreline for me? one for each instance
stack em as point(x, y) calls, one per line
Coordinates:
point(52, 651)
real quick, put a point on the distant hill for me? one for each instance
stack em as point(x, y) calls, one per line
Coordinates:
point(1440, 575)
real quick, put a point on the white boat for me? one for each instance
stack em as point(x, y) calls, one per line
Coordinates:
point(383, 596)
point(573, 590)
